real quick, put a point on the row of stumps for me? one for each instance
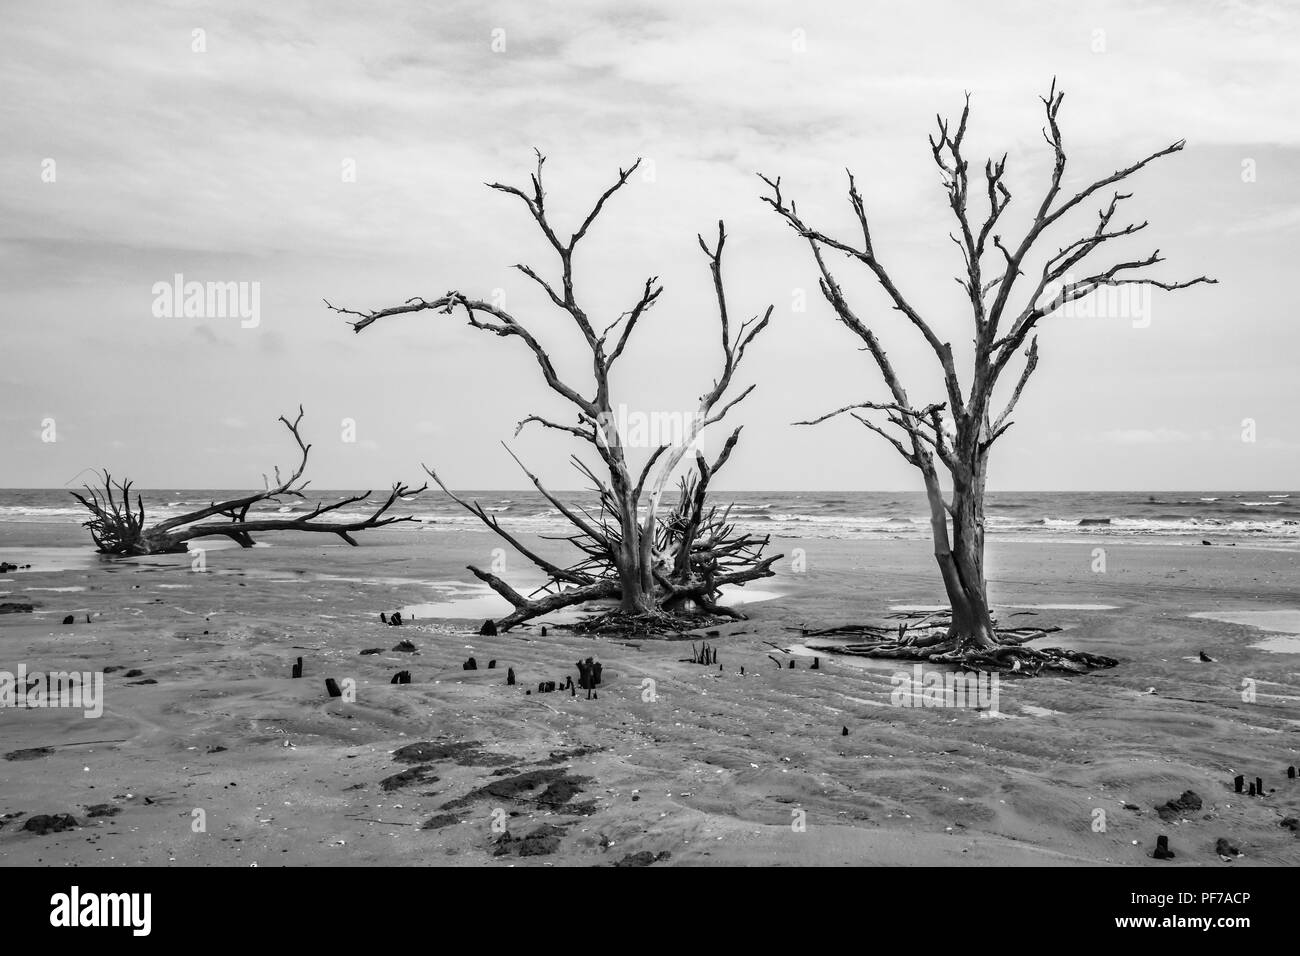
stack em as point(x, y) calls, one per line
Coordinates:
point(588, 680)
point(588, 670)
point(1256, 788)
point(816, 664)
point(401, 677)
point(1223, 847)
point(705, 655)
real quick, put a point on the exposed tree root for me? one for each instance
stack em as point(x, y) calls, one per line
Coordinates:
point(650, 623)
point(926, 638)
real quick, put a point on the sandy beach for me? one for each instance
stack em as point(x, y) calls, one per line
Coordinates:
point(674, 763)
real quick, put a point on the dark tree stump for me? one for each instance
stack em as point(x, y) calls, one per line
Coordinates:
point(492, 664)
point(396, 619)
point(69, 620)
point(383, 618)
point(297, 668)
point(469, 665)
point(1162, 851)
point(401, 677)
point(1239, 783)
point(332, 687)
point(489, 628)
point(510, 677)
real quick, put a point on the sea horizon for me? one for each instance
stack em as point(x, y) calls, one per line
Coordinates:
point(1239, 515)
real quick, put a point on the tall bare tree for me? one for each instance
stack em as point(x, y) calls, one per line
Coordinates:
point(118, 528)
point(630, 552)
point(956, 434)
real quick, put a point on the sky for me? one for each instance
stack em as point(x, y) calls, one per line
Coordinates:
point(339, 151)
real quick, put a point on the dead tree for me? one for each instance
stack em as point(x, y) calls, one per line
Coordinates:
point(957, 432)
point(117, 528)
point(627, 556)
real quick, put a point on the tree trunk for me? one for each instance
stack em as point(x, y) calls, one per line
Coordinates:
point(637, 598)
point(961, 558)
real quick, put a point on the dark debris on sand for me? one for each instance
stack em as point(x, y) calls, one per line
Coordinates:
point(463, 752)
point(44, 823)
point(552, 789)
point(642, 858)
point(421, 773)
point(1189, 802)
point(542, 841)
point(440, 821)
point(30, 753)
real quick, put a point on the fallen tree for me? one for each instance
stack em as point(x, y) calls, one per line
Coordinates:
point(657, 567)
point(117, 527)
point(957, 433)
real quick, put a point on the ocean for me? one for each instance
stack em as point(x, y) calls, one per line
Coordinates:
point(1255, 515)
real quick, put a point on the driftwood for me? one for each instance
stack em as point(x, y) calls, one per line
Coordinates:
point(118, 528)
point(956, 433)
point(653, 565)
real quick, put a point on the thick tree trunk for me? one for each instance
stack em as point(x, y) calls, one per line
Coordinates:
point(636, 597)
point(960, 557)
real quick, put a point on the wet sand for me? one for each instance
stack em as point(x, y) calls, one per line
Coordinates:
point(711, 768)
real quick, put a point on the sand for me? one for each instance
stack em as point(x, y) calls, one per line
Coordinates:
point(711, 768)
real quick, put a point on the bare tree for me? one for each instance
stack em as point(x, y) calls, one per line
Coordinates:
point(957, 433)
point(117, 528)
point(622, 541)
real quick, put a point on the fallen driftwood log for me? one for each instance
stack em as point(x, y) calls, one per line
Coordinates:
point(117, 527)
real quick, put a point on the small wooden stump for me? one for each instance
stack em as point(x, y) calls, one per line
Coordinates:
point(401, 677)
point(332, 687)
point(1162, 851)
point(297, 669)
